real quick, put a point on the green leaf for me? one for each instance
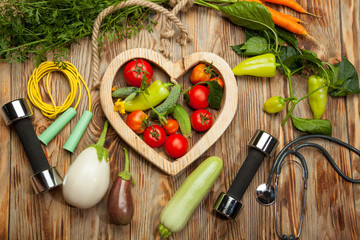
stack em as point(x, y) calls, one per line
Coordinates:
point(287, 52)
point(253, 46)
point(250, 15)
point(288, 37)
point(347, 81)
point(215, 94)
point(315, 126)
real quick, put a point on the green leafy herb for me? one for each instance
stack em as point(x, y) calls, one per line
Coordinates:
point(288, 37)
point(215, 94)
point(316, 126)
point(32, 29)
point(253, 46)
point(287, 52)
point(347, 81)
point(249, 15)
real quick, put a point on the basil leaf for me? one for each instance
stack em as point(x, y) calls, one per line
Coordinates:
point(253, 46)
point(215, 94)
point(288, 37)
point(250, 15)
point(287, 52)
point(249, 33)
point(311, 59)
point(316, 126)
point(347, 81)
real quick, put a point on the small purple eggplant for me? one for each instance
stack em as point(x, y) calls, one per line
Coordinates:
point(120, 202)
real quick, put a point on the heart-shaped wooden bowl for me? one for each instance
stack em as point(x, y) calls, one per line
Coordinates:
point(175, 71)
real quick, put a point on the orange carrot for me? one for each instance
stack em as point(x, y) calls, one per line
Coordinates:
point(283, 20)
point(289, 24)
point(295, 19)
point(291, 4)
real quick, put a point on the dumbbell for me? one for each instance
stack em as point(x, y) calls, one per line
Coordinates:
point(17, 113)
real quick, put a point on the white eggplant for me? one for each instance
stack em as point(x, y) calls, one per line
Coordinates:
point(88, 178)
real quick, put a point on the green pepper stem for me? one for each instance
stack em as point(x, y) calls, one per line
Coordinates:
point(289, 113)
point(315, 90)
point(102, 137)
point(168, 84)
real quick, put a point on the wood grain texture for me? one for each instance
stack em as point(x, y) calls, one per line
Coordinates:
point(5, 93)
point(332, 204)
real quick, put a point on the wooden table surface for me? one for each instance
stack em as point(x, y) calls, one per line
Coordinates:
point(332, 204)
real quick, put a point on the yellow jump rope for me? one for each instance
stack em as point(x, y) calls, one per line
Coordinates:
point(51, 111)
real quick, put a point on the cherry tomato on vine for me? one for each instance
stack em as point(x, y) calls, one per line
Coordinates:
point(176, 145)
point(198, 96)
point(154, 136)
point(171, 127)
point(201, 73)
point(201, 120)
point(137, 121)
point(135, 70)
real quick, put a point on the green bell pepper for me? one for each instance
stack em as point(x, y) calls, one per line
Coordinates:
point(158, 92)
point(274, 104)
point(317, 99)
point(259, 66)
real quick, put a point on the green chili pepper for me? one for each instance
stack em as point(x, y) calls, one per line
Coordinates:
point(274, 104)
point(317, 99)
point(259, 66)
point(158, 92)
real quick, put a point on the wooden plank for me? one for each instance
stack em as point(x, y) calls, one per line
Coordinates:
point(327, 192)
point(5, 93)
point(350, 12)
point(332, 205)
point(36, 216)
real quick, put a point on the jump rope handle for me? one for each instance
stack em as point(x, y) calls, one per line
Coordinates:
point(261, 145)
point(18, 113)
point(78, 131)
point(56, 126)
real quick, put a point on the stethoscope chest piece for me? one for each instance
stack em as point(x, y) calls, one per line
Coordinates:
point(265, 195)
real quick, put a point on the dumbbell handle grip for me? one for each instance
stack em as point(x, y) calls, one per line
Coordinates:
point(246, 173)
point(31, 145)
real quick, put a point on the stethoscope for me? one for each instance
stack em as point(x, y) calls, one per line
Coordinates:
point(266, 194)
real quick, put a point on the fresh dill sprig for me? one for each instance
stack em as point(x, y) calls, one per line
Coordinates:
point(30, 29)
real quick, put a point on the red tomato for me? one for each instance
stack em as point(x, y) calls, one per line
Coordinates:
point(198, 97)
point(171, 127)
point(136, 121)
point(176, 145)
point(135, 70)
point(201, 120)
point(200, 73)
point(219, 81)
point(154, 136)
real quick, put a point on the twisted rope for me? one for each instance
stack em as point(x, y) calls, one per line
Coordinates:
point(183, 38)
point(177, 5)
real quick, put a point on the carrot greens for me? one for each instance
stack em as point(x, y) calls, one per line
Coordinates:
point(30, 29)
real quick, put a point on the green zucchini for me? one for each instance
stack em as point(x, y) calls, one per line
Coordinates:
point(178, 210)
point(123, 92)
point(182, 117)
point(167, 106)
